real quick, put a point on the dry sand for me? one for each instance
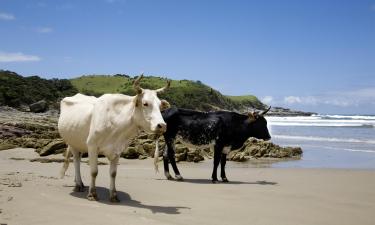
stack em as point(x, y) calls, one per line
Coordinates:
point(31, 193)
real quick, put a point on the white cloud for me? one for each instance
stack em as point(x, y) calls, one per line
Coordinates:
point(7, 16)
point(17, 57)
point(364, 96)
point(267, 100)
point(292, 100)
point(44, 30)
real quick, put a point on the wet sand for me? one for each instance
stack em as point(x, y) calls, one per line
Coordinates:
point(32, 193)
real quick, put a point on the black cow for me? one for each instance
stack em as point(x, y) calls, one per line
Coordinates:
point(225, 130)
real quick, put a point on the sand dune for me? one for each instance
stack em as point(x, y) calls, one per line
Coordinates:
point(31, 193)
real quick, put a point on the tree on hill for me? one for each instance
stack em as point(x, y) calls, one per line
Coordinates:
point(16, 90)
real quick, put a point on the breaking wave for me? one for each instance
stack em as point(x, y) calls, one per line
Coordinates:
point(324, 139)
point(324, 121)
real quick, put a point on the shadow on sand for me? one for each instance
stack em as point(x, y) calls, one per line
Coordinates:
point(208, 181)
point(103, 194)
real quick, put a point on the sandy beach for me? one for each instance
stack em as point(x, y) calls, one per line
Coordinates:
point(32, 193)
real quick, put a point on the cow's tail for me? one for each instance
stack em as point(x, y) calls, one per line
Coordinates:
point(68, 154)
point(156, 155)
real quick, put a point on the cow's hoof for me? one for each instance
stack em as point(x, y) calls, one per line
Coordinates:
point(168, 176)
point(79, 188)
point(114, 199)
point(225, 180)
point(92, 197)
point(179, 178)
point(214, 181)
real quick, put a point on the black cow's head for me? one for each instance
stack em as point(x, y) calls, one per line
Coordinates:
point(258, 125)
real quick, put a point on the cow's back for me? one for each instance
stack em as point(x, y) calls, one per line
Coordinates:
point(75, 118)
point(198, 128)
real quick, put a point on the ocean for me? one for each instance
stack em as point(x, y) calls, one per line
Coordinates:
point(327, 141)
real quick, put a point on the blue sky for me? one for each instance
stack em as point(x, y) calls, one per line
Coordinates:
point(314, 55)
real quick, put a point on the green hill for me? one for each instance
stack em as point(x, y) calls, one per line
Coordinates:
point(16, 90)
point(246, 101)
point(182, 93)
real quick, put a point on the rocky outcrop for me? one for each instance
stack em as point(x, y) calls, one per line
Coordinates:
point(254, 148)
point(279, 111)
point(54, 147)
point(39, 131)
point(38, 107)
point(28, 130)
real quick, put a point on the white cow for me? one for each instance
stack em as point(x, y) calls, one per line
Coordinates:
point(105, 125)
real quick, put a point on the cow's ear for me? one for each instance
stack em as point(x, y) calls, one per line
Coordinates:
point(164, 105)
point(252, 116)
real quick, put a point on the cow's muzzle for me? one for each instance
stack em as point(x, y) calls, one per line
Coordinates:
point(161, 128)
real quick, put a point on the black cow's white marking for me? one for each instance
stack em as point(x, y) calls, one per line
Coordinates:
point(224, 130)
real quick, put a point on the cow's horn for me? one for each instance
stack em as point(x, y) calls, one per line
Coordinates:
point(265, 111)
point(136, 86)
point(165, 87)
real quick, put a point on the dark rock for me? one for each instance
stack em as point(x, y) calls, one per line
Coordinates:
point(130, 153)
point(149, 149)
point(142, 157)
point(38, 107)
point(279, 111)
point(262, 149)
point(7, 131)
point(143, 136)
point(5, 146)
point(179, 148)
point(194, 155)
point(47, 160)
point(181, 156)
point(54, 147)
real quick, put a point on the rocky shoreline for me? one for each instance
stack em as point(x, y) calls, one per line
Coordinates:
point(39, 131)
point(279, 111)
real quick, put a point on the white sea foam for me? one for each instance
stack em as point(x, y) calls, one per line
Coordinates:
point(355, 117)
point(350, 149)
point(342, 149)
point(324, 139)
point(324, 121)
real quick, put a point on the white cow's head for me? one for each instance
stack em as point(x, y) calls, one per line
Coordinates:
point(147, 108)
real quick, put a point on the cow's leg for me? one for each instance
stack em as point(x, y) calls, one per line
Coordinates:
point(223, 162)
point(172, 160)
point(93, 161)
point(217, 156)
point(166, 164)
point(77, 168)
point(112, 173)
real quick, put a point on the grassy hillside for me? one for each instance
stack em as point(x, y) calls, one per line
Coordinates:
point(182, 93)
point(16, 90)
point(246, 101)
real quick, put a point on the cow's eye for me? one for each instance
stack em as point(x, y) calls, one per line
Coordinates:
point(145, 104)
